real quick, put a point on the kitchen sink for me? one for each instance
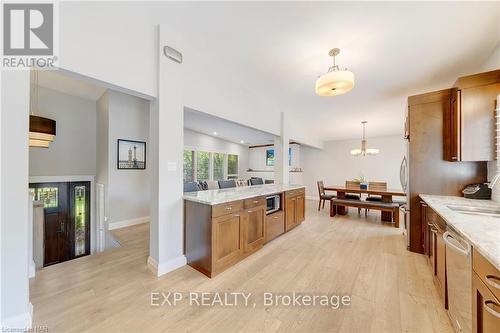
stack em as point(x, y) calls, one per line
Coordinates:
point(475, 210)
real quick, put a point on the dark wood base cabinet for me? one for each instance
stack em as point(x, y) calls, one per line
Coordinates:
point(219, 236)
point(485, 295)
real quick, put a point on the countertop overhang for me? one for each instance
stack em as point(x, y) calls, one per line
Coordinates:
point(481, 231)
point(219, 196)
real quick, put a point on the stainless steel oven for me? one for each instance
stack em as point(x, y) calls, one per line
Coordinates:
point(273, 203)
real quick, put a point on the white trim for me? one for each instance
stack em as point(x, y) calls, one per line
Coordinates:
point(23, 321)
point(31, 269)
point(166, 267)
point(84, 178)
point(127, 223)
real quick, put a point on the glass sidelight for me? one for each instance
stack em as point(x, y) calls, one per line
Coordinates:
point(80, 218)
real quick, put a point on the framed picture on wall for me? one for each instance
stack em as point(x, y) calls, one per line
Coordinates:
point(270, 157)
point(131, 154)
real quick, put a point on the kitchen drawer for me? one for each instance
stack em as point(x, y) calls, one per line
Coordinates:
point(254, 202)
point(487, 272)
point(294, 193)
point(435, 219)
point(275, 225)
point(227, 208)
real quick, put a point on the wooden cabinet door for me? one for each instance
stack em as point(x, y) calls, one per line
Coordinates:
point(478, 122)
point(300, 209)
point(451, 127)
point(485, 308)
point(254, 228)
point(227, 241)
point(290, 213)
point(440, 265)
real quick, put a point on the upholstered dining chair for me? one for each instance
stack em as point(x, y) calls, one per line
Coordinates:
point(212, 185)
point(323, 197)
point(227, 183)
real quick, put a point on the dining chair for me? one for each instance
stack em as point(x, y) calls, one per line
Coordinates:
point(353, 185)
point(323, 197)
point(241, 183)
point(227, 183)
point(376, 186)
point(191, 187)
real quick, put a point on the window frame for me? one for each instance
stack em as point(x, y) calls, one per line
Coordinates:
point(211, 152)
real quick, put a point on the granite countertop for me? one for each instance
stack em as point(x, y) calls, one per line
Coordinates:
point(214, 197)
point(482, 231)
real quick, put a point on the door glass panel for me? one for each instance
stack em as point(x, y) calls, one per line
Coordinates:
point(80, 219)
point(48, 195)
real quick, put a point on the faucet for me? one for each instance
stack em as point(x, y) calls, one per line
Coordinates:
point(494, 180)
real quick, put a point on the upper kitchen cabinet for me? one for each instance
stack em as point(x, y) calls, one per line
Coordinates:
point(469, 124)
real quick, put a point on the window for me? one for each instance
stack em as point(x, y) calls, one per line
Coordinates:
point(218, 166)
point(232, 166)
point(202, 166)
point(188, 166)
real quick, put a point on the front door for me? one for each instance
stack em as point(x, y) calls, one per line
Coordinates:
point(67, 219)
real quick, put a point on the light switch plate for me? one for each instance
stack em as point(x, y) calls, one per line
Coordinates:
point(172, 166)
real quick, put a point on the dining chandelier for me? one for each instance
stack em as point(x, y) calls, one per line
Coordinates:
point(364, 145)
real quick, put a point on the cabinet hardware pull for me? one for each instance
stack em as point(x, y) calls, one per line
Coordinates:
point(256, 201)
point(229, 208)
point(434, 230)
point(490, 309)
point(236, 215)
point(249, 211)
point(453, 157)
point(489, 280)
point(275, 217)
point(464, 251)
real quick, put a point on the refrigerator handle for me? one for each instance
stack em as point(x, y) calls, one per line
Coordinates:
point(402, 173)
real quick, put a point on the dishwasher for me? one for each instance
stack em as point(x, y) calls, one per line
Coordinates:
point(459, 280)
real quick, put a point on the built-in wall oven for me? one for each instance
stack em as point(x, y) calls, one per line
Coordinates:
point(273, 203)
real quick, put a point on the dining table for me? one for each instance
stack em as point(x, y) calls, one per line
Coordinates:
point(386, 196)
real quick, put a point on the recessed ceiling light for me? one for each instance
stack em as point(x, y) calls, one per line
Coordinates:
point(215, 133)
point(241, 141)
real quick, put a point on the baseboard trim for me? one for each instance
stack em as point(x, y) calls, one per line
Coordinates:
point(31, 269)
point(128, 223)
point(166, 267)
point(22, 322)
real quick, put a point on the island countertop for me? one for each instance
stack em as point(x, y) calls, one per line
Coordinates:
point(215, 197)
point(482, 231)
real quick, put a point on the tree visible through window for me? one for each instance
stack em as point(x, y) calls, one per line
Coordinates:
point(202, 166)
point(188, 166)
point(232, 166)
point(218, 166)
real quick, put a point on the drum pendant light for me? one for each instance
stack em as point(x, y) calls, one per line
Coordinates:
point(42, 130)
point(335, 81)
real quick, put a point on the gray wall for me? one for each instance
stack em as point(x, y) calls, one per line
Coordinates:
point(73, 150)
point(122, 116)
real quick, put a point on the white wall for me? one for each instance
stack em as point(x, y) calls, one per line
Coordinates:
point(334, 164)
point(257, 158)
point(15, 306)
point(199, 141)
point(121, 116)
point(73, 151)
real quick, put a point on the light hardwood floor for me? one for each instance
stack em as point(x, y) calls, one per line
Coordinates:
point(391, 289)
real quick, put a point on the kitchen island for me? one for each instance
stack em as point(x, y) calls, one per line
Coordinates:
point(224, 226)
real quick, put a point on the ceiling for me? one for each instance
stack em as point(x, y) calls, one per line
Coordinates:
point(276, 50)
point(66, 84)
point(224, 129)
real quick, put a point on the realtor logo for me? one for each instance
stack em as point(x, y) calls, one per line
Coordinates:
point(28, 29)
